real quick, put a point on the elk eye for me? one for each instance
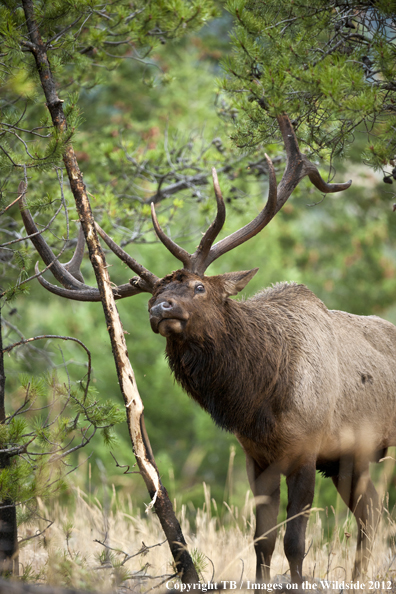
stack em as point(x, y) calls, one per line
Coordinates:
point(199, 289)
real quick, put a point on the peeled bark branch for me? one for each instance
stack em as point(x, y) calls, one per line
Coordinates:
point(133, 402)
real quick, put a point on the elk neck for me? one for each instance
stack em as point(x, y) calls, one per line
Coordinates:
point(241, 367)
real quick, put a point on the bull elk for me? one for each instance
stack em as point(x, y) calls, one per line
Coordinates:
point(302, 388)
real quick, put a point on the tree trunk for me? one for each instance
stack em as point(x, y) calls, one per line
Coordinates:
point(134, 406)
point(8, 524)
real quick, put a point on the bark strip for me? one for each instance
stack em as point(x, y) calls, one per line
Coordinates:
point(134, 406)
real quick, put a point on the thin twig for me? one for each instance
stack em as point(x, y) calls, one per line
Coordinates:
point(142, 551)
point(56, 336)
point(127, 466)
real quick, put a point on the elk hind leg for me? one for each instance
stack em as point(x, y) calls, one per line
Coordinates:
point(358, 492)
point(301, 488)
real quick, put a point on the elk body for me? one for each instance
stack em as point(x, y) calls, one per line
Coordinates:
point(302, 388)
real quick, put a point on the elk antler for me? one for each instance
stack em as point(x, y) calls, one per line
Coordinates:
point(192, 261)
point(146, 277)
point(74, 265)
point(298, 166)
point(205, 254)
point(69, 275)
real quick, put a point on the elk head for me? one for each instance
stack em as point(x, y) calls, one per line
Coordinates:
point(181, 300)
point(168, 314)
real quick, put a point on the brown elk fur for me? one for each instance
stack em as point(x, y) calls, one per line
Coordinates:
point(302, 388)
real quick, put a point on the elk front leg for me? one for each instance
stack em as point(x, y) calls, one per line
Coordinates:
point(358, 492)
point(265, 484)
point(301, 486)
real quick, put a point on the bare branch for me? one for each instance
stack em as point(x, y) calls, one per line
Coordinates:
point(142, 551)
point(127, 466)
point(12, 204)
point(61, 33)
point(37, 533)
point(32, 131)
point(55, 336)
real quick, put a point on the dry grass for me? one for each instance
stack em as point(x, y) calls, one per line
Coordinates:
point(67, 553)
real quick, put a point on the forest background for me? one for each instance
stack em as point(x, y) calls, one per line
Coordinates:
point(143, 116)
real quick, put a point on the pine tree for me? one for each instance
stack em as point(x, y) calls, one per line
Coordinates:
point(331, 66)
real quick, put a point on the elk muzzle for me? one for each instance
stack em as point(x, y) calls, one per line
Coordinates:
point(167, 317)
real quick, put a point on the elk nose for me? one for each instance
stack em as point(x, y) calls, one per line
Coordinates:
point(160, 308)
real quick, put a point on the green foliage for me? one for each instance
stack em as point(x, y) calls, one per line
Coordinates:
point(331, 68)
point(81, 39)
point(68, 421)
point(40, 203)
point(14, 431)
point(71, 570)
point(15, 291)
point(29, 574)
point(200, 561)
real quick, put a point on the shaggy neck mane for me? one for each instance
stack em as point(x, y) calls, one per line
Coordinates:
point(239, 369)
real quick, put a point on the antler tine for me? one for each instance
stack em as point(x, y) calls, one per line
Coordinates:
point(199, 257)
point(298, 166)
point(174, 249)
point(252, 228)
point(74, 265)
point(145, 274)
point(317, 180)
point(58, 270)
point(88, 294)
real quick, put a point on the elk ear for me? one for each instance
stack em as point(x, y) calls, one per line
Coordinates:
point(234, 282)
